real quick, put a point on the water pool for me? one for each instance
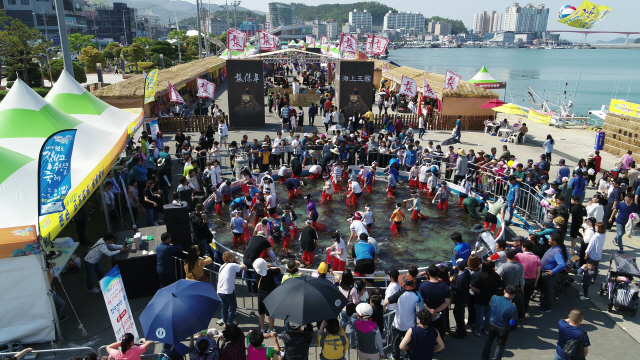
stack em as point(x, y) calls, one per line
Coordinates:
point(421, 242)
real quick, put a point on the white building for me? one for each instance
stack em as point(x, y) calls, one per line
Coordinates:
point(441, 28)
point(332, 29)
point(526, 20)
point(485, 22)
point(361, 20)
point(407, 21)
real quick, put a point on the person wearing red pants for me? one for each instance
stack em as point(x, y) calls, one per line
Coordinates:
point(286, 222)
point(308, 243)
point(416, 207)
point(327, 189)
point(237, 227)
point(391, 186)
point(491, 217)
point(443, 196)
point(354, 191)
point(337, 252)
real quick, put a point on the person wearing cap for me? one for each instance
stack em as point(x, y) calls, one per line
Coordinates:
point(368, 334)
point(356, 227)
point(405, 316)
point(308, 242)
point(265, 156)
point(563, 171)
point(565, 189)
point(354, 191)
point(266, 275)
point(578, 184)
point(543, 183)
point(513, 195)
point(237, 227)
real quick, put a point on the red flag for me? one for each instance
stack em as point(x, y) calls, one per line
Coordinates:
point(174, 96)
point(408, 87)
point(236, 40)
point(369, 48)
point(428, 91)
point(323, 40)
point(420, 104)
point(348, 44)
point(379, 46)
point(452, 80)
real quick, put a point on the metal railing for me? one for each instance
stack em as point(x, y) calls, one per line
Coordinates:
point(103, 348)
point(51, 351)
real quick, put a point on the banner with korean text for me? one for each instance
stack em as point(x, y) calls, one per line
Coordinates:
point(625, 108)
point(539, 116)
point(150, 86)
point(354, 92)
point(379, 46)
point(451, 81)
point(55, 171)
point(245, 84)
point(117, 304)
point(348, 44)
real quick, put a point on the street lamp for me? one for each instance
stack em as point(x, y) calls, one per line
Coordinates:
point(235, 5)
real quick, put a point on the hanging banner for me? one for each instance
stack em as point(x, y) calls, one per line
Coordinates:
point(245, 89)
point(428, 91)
point(174, 96)
point(348, 44)
point(310, 40)
point(117, 304)
point(323, 40)
point(586, 16)
point(354, 88)
point(539, 116)
point(379, 46)
point(452, 80)
point(384, 68)
point(55, 171)
point(205, 88)
point(624, 108)
point(150, 86)
point(236, 40)
point(408, 87)
point(369, 48)
point(266, 41)
point(153, 124)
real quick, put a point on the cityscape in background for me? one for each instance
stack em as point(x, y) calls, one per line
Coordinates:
point(121, 23)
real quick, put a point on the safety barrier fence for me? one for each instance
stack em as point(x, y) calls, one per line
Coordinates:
point(49, 352)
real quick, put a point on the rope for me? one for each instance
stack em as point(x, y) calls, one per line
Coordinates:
point(80, 326)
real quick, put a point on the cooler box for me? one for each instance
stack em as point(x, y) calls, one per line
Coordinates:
point(599, 141)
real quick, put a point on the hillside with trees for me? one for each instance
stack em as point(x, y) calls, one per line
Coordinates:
point(341, 11)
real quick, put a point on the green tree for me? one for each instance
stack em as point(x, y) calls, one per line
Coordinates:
point(155, 59)
point(57, 66)
point(457, 26)
point(134, 53)
point(223, 38)
point(180, 36)
point(15, 69)
point(637, 41)
point(78, 41)
point(91, 56)
point(143, 41)
point(108, 54)
point(19, 43)
point(340, 12)
point(162, 47)
point(112, 46)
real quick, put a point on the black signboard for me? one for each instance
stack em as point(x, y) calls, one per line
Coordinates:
point(355, 86)
point(314, 50)
point(246, 89)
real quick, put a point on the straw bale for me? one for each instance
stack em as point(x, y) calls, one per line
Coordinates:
point(436, 81)
point(177, 75)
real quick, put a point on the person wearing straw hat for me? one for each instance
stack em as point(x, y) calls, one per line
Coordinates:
point(266, 275)
point(368, 334)
point(462, 166)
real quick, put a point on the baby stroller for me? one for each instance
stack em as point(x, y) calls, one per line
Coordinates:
point(623, 291)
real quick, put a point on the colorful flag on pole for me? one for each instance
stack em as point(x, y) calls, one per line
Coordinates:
point(348, 44)
point(369, 48)
point(236, 40)
point(586, 16)
point(379, 46)
point(384, 68)
point(310, 40)
point(266, 41)
point(323, 40)
point(428, 91)
point(451, 81)
point(55, 171)
point(174, 96)
point(205, 88)
point(150, 86)
point(408, 87)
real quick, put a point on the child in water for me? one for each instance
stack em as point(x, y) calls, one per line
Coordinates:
point(397, 217)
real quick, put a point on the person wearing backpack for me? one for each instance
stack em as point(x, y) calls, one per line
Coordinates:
point(573, 342)
point(332, 340)
point(368, 334)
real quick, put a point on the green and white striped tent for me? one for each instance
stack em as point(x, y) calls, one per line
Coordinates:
point(483, 77)
point(26, 121)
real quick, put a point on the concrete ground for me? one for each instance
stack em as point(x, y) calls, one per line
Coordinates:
point(612, 335)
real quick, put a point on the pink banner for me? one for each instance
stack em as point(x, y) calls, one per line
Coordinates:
point(452, 80)
point(408, 87)
point(379, 46)
point(428, 91)
point(323, 40)
point(266, 41)
point(206, 88)
point(348, 44)
point(174, 96)
point(369, 48)
point(236, 40)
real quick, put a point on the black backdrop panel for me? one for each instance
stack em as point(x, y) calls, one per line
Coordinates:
point(355, 89)
point(246, 93)
point(314, 50)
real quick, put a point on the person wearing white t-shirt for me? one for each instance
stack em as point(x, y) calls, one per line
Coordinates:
point(595, 209)
point(353, 192)
point(356, 227)
point(227, 287)
point(315, 171)
point(392, 288)
point(337, 251)
point(369, 218)
point(421, 127)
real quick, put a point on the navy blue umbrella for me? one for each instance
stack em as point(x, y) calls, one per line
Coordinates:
point(179, 310)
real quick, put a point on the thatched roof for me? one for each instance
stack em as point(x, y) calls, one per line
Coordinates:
point(379, 63)
point(436, 81)
point(177, 75)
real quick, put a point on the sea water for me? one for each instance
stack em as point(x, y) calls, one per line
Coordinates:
point(421, 242)
point(594, 75)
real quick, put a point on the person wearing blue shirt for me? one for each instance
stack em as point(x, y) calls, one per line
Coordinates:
point(563, 171)
point(569, 330)
point(552, 263)
point(615, 197)
point(503, 316)
point(410, 157)
point(462, 250)
point(458, 128)
point(512, 197)
point(623, 209)
point(165, 264)
point(365, 255)
point(578, 184)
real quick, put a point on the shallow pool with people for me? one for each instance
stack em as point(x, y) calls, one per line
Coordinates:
point(420, 242)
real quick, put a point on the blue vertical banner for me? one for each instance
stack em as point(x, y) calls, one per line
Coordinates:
point(55, 171)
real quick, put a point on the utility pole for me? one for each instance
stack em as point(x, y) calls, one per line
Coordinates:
point(235, 16)
point(207, 31)
point(124, 26)
point(226, 6)
point(44, 19)
point(64, 37)
point(199, 35)
point(177, 29)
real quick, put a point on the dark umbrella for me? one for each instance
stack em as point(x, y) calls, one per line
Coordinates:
point(450, 141)
point(179, 310)
point(305, 300)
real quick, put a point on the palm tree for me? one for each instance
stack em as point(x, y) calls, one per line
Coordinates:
point(179, 36)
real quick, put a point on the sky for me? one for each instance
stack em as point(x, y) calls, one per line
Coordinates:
point(622, 17)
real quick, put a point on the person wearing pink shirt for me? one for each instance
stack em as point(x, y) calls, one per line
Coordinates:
point(626, 160)
point(128, 349)
point(532, 266)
